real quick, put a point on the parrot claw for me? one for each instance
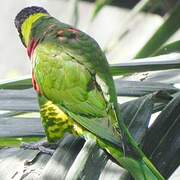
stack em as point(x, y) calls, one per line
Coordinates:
point(42, 146)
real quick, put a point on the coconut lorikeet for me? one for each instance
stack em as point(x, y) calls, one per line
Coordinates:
point(75, 89)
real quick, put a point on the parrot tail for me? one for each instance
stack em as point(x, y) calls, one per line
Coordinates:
point(139, 168)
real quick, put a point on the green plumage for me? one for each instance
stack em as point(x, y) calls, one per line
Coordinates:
point(68, 75)
point(76, 91)
point(65, 81)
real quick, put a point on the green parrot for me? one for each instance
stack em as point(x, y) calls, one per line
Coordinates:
point(75, 89)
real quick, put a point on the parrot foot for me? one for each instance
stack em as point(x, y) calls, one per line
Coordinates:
point(42, 146)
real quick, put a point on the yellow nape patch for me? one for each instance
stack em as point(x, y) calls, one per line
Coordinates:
point(27, 25)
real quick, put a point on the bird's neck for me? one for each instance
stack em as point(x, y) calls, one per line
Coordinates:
point(27, 26)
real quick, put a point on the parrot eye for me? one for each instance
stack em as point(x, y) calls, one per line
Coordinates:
point(72, 36)
point(60, 33)
point(73, 33)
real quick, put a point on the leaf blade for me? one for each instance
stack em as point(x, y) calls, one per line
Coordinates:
point(158, 141)
point(163, 62)
point(165, 31)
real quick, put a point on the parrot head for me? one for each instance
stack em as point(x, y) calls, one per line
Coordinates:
point(23, 15)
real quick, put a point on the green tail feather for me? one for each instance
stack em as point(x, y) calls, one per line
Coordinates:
point(140, 169)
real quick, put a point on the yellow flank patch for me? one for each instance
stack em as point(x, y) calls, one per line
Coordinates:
point(53, 128)
point(56, 122)
point(61, 115)
point(52, 110)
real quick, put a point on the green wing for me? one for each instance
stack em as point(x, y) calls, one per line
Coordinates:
point(67, 82)
point(74, 44)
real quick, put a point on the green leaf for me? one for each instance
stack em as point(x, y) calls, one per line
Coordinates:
point(163, 62)
point(16, 142)
point(136, 115)
point(98, 6)
point(18, 100)
point(21, 127)
point(142, 5)
point(60, 163)
point(90, 159)
point(138, 112)
point(141, 88)
point(75, 14)
point(169, 48)
point(161, 143)
point(165, 31)
point(19, 83)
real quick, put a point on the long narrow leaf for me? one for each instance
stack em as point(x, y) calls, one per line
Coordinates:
point(166, 30)
point(75, 14)
point(17, 141)
point(139, 88)
point(21, 127)
point(169, 48)
point(170, 61)
point(128, 25)
point(19, 83)
point(164, 62)
point(162, 143)
point(90, 159)
point(99, 4)
point(60, 163)
point(18, 100)
point(123, 88)
point(137, 114)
